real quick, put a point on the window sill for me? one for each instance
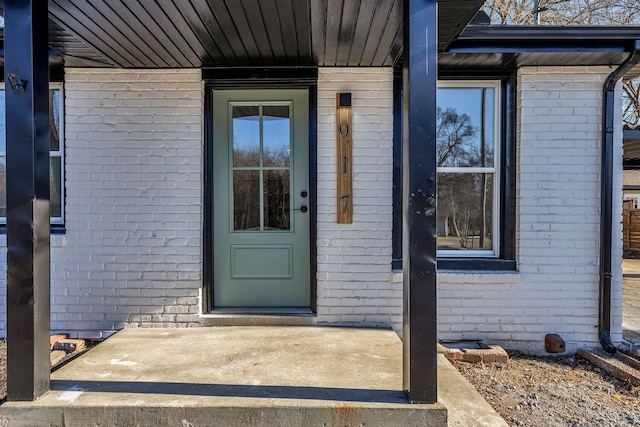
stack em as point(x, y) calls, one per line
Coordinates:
point(490, 264)
point(476, 264)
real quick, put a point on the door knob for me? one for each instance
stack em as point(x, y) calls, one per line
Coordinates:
point(302, 209)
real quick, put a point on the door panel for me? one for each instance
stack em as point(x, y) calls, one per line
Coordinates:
point(261, 180)
point(274, 261)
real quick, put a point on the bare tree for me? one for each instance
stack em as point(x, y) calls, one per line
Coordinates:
point(518, 12)
point(631, 103)
point(575, 12)
point(462, 220)
point(564, 12)
point(464, 195)
point(455, 135)
point(594, 12)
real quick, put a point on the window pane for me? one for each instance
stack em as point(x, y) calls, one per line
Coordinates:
point(465, 211)
point(465, 128)
point(3, 132)
point(55, 186)
point(246, 136)
point(246, 200)
point(54, 119)
point(276, 138)
point(3, 188)
point(276, 200)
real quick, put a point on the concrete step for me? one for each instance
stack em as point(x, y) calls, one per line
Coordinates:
point(343, 415)
point(259, 317)
point(233, 376)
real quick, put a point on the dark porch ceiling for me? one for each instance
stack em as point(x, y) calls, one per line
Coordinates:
point(231, 33)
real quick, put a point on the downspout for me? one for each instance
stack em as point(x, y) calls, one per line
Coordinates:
point(606, 202)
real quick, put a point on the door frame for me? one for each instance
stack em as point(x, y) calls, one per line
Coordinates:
point(251, 78)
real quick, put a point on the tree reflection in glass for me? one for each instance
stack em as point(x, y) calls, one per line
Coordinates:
point(261, 167)
point(246, 200)
point(465, 131)
point(246, 136)
point(466, 170)
point(465, 202)
point(276, 135)
point(276, 200)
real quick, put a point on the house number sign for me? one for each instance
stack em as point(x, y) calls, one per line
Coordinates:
point(344, 160)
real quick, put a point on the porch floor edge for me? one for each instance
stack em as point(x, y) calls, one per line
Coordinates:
point(249, 376)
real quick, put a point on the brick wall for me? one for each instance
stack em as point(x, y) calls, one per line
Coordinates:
point(133, 173)
point(131, 254)
point(132, 251)
point(558, 223)
point(354, 259)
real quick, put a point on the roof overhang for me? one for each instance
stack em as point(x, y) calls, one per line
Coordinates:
point(237, 33)
point(511, 38)
point(495, 47)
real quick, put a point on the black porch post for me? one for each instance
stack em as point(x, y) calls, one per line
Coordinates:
point(419, 200)
point(27, 168)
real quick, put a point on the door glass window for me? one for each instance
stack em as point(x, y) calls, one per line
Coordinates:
point(276, 200)
point(246, 136)
point(246, 200)
point(261, 141)
point(276, 132)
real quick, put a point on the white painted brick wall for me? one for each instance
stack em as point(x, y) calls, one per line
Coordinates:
point(132, 254)
point(354, 259)
point(558, 223)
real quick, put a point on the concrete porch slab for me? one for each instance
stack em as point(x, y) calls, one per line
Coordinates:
point(235, 376)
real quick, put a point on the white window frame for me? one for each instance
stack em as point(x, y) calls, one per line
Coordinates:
point(59, 153)
point(495, 170)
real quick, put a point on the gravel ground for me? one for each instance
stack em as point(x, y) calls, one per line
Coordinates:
point(550, 392)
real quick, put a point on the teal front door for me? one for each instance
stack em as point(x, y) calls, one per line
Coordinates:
point(261, 198)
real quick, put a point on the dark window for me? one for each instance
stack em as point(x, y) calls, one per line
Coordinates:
point(56, 155)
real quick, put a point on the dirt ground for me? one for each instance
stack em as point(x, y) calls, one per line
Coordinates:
point(550, 392)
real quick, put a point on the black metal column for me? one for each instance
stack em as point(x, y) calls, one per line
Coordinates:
point(27, 168)
point(419, 200)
